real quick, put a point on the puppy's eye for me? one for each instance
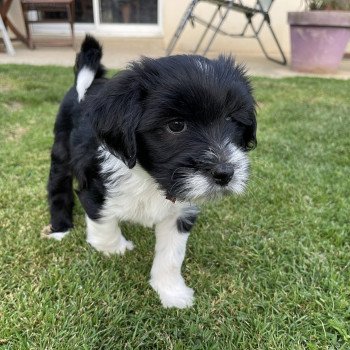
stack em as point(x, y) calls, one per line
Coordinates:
point(176, 126)
point(229, 119)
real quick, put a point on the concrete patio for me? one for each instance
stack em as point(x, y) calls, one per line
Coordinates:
point(119, 51)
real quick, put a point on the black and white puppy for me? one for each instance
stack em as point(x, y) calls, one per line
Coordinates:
point(144, 146)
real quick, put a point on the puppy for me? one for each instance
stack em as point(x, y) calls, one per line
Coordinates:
point(145, 146)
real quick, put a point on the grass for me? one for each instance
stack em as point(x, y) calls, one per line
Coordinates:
point(270, 269)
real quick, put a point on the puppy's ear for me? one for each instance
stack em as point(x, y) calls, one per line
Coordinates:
point(242, 97)
point(246, 123)
point(249, 140)
point(116, 112)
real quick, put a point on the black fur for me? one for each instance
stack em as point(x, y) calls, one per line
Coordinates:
point(90, 56)
point(74, 150)
point(174, 88)
point(130, 115)
point(186, 222)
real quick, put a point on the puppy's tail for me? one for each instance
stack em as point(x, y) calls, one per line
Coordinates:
point(88, 65)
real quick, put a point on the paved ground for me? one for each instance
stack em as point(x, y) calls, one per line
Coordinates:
point(117, 52)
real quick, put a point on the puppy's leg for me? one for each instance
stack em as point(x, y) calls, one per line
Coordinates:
point(166, 279)
point(105, 236)
point(60, 189)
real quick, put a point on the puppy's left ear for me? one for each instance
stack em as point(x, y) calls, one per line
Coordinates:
point(249, 140)
point(246, 124)
point(116, 112)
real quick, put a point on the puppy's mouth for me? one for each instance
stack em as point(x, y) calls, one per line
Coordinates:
point(170, 197)
point(201, 186)
point(210, 176)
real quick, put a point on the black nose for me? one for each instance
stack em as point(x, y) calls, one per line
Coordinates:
point(222, 173)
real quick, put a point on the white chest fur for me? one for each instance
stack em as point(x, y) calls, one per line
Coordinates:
point(132, 194)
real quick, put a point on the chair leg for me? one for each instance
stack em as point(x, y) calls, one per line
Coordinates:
point(9, 48)
point(71, 19)
point(216, 31)
point(29, 39)
point(206, 29)
point(185, 18)
point(283, 60)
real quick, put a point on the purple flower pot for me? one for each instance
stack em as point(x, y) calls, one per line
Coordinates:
point(318, 40)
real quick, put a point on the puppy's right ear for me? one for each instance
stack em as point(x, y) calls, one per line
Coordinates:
point(116, 112)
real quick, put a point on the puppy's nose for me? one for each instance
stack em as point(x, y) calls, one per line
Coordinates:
point(222, 173)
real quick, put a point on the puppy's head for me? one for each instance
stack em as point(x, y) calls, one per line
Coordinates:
point(187, 120)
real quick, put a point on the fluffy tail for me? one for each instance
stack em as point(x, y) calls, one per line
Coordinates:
point(88, 65)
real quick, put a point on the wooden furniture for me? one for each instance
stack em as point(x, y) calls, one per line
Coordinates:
point(4, 9)
point(48, 6)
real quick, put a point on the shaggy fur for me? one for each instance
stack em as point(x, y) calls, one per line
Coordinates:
point(144, 146)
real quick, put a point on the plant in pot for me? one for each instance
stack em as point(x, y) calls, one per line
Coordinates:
point(319, 35)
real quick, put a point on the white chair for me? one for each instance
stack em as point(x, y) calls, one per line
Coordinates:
point(7, 41)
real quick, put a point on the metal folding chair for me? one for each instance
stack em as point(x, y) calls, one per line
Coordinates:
point(222, 8)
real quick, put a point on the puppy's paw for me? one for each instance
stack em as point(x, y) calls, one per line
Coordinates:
point(46, 232)
point(179, 296)
point(118, 248)
point(123, 246)
point(180, 299)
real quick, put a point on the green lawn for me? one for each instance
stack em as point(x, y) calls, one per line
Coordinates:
point(270, 269)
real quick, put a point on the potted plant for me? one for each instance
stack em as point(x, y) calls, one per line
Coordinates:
point(319, 35)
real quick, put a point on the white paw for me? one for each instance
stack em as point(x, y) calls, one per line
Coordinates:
point(47, 233)
point(118, 248)
point(179, 295)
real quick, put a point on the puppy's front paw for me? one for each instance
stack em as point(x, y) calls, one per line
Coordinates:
point(179, 295)
point(123, 246)
point(47, 233)
point(118, 248)
point(181, 298)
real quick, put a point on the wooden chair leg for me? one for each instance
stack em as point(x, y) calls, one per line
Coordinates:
point(30, 42)
point(71, 19)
